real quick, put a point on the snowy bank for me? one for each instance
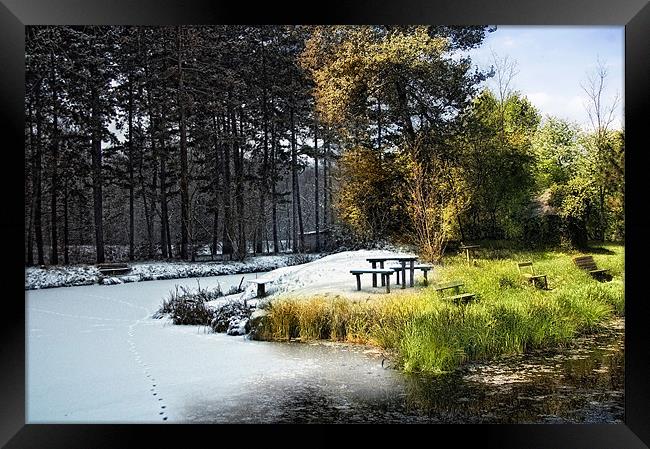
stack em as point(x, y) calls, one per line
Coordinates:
point(66, 276)
point(329, 276)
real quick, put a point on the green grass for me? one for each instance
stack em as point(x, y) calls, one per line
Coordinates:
point(429, 333)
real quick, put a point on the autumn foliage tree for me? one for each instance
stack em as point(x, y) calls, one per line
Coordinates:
point(393, 94)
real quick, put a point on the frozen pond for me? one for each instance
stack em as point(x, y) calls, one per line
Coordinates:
point(95, 355)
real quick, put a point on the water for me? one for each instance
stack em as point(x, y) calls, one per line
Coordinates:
point(581, 384)
point(95, 355)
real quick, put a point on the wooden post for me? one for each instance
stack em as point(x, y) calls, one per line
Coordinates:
point(358, 281)
point(261, 291)
point(387, 276)
point(381, 265)
point(412, 272)
point(374, 275)
point(403, 262)
point(426, 280)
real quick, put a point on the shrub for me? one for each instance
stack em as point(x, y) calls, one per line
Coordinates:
point(187, 307)
point(223, 315)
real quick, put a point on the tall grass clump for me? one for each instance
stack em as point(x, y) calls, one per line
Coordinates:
point(440, 339)
point(378, 322)
point(282, 321)
point(392, 316)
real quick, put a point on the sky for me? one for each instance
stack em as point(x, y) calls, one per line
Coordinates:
point(554, 60)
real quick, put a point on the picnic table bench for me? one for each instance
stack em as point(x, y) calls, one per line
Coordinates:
point(456, 285)
point(531, 277)
point(203, 257)
point(588, 264)
point(423, 267)
point(261, 286)
point(402, 260)
point(110, 269)
point(384, 272)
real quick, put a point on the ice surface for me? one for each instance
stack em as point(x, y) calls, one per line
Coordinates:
point(95, 355)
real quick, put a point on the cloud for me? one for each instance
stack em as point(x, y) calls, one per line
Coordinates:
point(540, 99)
point(566, 107)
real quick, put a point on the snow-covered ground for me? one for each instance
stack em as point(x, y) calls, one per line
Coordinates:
point(74, 275)
point(95, 355)
point(331, 275)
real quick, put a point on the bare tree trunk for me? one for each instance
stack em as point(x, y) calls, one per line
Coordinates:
point(148, 216)
point(298, 231)
point(261, 220)
point(29, 184)
point(294, 183)
point(38, 184)
point(169, 237)
point(226, 241)
point(97, 175)
point(66, 227)
point(164, 217)
point(54, 255)
point(291, 222)
point(274, 196)
point(184, 185)
point(131, 177)
point(215, 221)
point(148, 211)
point(300, 222)
point(316, 202)
point(242, 249)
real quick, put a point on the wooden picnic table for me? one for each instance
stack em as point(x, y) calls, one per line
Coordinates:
point(467, 248)
point(402, 260)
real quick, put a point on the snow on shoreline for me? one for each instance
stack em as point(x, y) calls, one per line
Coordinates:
point(71, 275)
point(328, 275)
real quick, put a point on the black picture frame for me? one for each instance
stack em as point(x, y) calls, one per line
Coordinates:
point(633, 14)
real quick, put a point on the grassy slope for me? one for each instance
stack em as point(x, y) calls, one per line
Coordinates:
point(429, 333)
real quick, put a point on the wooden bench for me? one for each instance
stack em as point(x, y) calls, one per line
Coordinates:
point(384, 272)
point(425, 268)
point(531, 277)
point(261, 286)
point(458, 297)
point(588, 264)
point(110, 269)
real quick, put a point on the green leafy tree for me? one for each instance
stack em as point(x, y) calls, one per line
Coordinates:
point(558, 151)
point(495, 147)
